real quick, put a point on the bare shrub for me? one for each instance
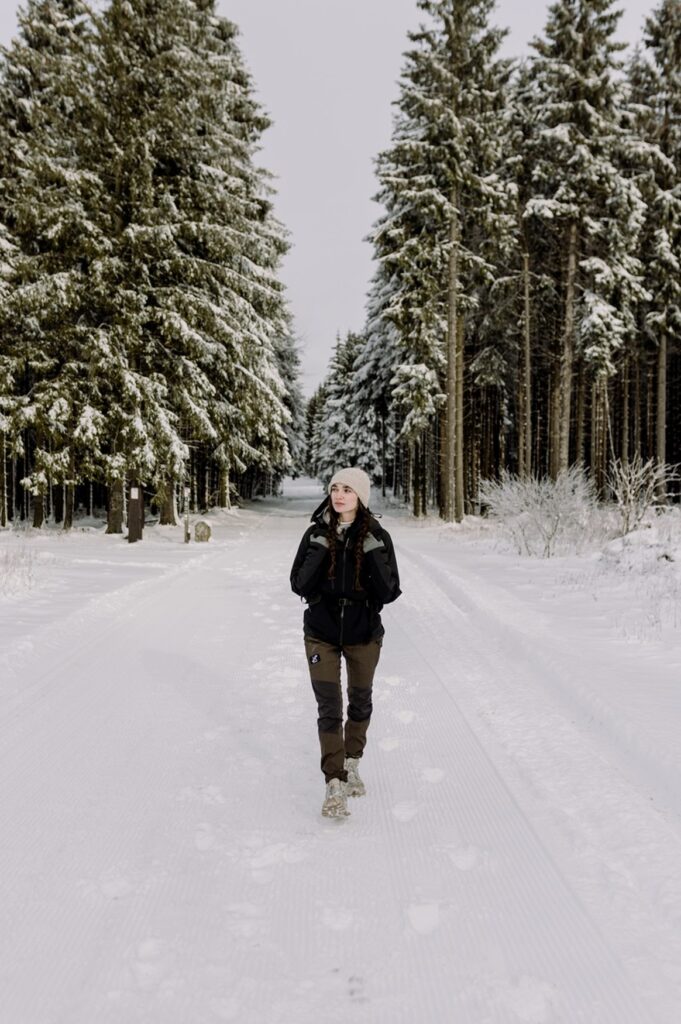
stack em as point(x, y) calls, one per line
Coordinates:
point(541, 514)
point(636, 487)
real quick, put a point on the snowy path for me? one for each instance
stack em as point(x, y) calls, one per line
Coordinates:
point(163, 858)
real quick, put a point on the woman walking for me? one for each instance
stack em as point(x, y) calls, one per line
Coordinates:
point(345, 569)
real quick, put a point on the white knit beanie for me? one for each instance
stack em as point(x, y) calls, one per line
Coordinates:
point(355, 478)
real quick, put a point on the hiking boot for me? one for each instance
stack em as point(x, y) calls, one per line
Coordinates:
point(354, 786)
point(335, 802)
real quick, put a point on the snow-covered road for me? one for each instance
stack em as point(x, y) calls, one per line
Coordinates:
point(162, 855)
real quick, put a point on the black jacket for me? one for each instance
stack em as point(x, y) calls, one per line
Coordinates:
point(337, 612)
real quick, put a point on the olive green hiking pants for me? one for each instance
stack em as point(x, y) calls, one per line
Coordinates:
point(324, 662)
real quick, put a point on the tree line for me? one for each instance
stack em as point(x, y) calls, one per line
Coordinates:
point(144, 332)
point(525, 312)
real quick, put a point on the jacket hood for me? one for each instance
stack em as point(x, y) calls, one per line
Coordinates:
point(318, 516)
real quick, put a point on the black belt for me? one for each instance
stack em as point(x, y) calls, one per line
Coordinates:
point(345, 601)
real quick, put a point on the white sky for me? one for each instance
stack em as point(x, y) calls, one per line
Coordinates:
point(327, 73)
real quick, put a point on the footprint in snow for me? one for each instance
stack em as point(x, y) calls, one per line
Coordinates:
point(213, 734)
point(244, 920)
point(432, 775)
point(530, 1000)
point(389, 743)
point(424, 917)
point(270, 857)
point(204, 838)
point(153, 960)
point(406, 717)
point(405, 811)
point(225, 1008)
point(466, 858)
point(338, 919)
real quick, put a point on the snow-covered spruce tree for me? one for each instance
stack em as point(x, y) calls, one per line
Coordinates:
point(288, 363)
point(313, 413)
point(589, 213)
point(442, 199)
point(346, 431)
point(374, 367)
point(655, 157)
point(194, 301)
point(522, 303)
point(7, 395)
point(266, 383)
point(45, 204)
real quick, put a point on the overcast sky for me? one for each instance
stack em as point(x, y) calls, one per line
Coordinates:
point(326, 72)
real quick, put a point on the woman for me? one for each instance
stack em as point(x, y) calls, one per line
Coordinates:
point(345, 570)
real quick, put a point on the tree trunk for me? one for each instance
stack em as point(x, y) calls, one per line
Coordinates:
point(417, 483)
point(14, 488)
point(450, 481)
point(166, 504)
point(581, 415)
point(624, 440)
point(598, 433)
point(650, 412)
point(568, 352)
point(70, 499)
point(441, 461)
point(460, 495)
point(554, 424)
point(69, 504)
point(114, 516)
point(661, 417)
point(525, 419)
point(3, 481)
point(383, 455)
point(38, 510)
point(223, 488)
point(637, 408)
point(406, 474)
point(397, 462)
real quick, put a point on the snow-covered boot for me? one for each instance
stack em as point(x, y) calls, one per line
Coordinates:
point(354, 786)
point(335, 802)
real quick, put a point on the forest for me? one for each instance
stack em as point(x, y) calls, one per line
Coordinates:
point(145, 336)
point(524, 315)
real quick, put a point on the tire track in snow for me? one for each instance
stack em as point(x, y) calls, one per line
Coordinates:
point(549, 657)
point(608, 824)
point(87, 771)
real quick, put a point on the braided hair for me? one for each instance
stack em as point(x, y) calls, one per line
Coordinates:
point(363, 518)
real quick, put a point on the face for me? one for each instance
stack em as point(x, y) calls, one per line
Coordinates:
point(344, 501)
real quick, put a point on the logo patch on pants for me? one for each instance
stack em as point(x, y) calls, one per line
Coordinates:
point(315, 659)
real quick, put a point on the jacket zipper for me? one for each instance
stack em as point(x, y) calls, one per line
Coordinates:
point(342, 611)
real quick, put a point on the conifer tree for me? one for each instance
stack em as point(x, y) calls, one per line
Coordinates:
point(589, 210)
point(443, 202)
point(346, 430)
point(314, 413)
point(45, 202)
point(374, 366)
point(192, 294)
point(655, 99)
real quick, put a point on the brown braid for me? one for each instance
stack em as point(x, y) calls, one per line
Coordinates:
point(363, 530)
point(359, 542)
point(333, 540)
